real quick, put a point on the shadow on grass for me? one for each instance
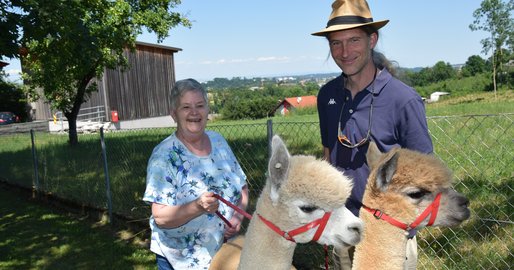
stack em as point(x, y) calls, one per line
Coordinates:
point(35, 236)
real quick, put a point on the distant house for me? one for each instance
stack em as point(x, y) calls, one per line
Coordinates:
point(436, 95)
point(289, 104)
point(141, 91)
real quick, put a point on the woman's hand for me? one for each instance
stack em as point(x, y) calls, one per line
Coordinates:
point(207, 202)
point(235, 221)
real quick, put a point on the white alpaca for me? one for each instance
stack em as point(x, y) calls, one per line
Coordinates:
point(298, 191)
point(401, 185)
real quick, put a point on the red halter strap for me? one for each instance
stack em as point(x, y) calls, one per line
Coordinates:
point(321, 222)
point(431, 210)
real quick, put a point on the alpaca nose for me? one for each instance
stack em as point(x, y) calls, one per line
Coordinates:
point(356, 227)
point(462, 200)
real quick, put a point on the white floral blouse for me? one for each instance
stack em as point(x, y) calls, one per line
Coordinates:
point(175, 176)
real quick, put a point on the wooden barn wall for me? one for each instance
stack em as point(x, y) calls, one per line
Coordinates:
point(41, 110)
point(142, 91)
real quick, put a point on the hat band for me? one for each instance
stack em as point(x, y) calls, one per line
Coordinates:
point(348, 20)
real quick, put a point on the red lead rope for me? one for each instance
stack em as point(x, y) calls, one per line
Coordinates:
point(233, 206)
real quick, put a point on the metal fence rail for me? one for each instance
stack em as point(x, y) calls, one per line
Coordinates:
point(478, 148)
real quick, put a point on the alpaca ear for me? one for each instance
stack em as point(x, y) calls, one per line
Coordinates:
point(373, 155)
point(278, 165)
point(386, 170)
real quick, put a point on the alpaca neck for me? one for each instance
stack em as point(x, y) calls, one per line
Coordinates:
point(383, 245)
point(263, 247)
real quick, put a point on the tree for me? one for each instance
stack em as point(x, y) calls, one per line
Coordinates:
point(68, 43)
point(473, 66)
point(442, 71)
point(495, 17)
point(9, 27)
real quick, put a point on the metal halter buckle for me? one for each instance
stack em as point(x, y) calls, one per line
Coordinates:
point(378, 214)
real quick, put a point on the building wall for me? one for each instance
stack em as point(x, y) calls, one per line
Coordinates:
point(143, 90)
point(140, 91)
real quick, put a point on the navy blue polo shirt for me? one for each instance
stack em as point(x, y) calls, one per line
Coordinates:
point(398, 120)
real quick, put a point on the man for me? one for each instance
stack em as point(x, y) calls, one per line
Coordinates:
point(365, 102)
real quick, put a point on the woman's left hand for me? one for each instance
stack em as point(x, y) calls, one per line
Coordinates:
point(235, 221)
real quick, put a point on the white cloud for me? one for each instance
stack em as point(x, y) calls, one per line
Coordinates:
point(273, 58)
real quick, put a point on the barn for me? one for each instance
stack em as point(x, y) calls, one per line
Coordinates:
point(139, 92)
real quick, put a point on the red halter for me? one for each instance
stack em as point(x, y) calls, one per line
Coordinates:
point(321, 222)
point(431, 210)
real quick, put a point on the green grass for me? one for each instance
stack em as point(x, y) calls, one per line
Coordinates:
point(476, 103)
point(36, 236)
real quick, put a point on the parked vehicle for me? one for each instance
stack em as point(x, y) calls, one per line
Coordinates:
point(8, 118)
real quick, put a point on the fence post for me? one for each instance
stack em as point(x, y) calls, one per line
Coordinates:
point(106, 172)
point(35, 189)
point(270, 135)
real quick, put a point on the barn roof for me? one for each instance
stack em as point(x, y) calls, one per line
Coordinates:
point(144, 44)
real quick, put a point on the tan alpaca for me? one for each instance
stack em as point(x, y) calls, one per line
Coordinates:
point(298, 190)
point(402, 183)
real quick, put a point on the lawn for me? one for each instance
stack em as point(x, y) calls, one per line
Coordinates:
point(34, 235)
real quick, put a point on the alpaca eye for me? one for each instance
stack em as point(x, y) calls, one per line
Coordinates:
point(418, 194)
point(308, 209)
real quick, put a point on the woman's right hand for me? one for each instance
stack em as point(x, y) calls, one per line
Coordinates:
point(207, 202)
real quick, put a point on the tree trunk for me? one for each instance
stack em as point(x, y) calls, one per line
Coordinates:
point(494, 81)
point(495, 61)
point(72, 131)
point(73, 114)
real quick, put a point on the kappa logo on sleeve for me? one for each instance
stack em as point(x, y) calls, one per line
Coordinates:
point(331, 102)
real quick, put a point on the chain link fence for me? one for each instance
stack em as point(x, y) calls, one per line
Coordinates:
point(478, 148)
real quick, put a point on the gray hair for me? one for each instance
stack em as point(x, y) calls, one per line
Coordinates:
point(184, 86)
point(379, 59)
point(382, 62)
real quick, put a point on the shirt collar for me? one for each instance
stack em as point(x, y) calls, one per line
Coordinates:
point(383, 77)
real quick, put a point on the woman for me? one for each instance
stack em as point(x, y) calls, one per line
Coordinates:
point(184, 172)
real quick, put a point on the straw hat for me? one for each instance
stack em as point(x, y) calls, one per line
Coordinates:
point(348, 14)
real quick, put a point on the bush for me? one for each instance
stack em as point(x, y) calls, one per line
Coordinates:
point(254, 108)
point(458, 87)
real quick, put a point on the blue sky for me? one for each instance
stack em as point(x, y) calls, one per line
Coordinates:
point(272, 37)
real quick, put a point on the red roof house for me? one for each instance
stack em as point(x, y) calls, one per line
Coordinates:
point(292, 103)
